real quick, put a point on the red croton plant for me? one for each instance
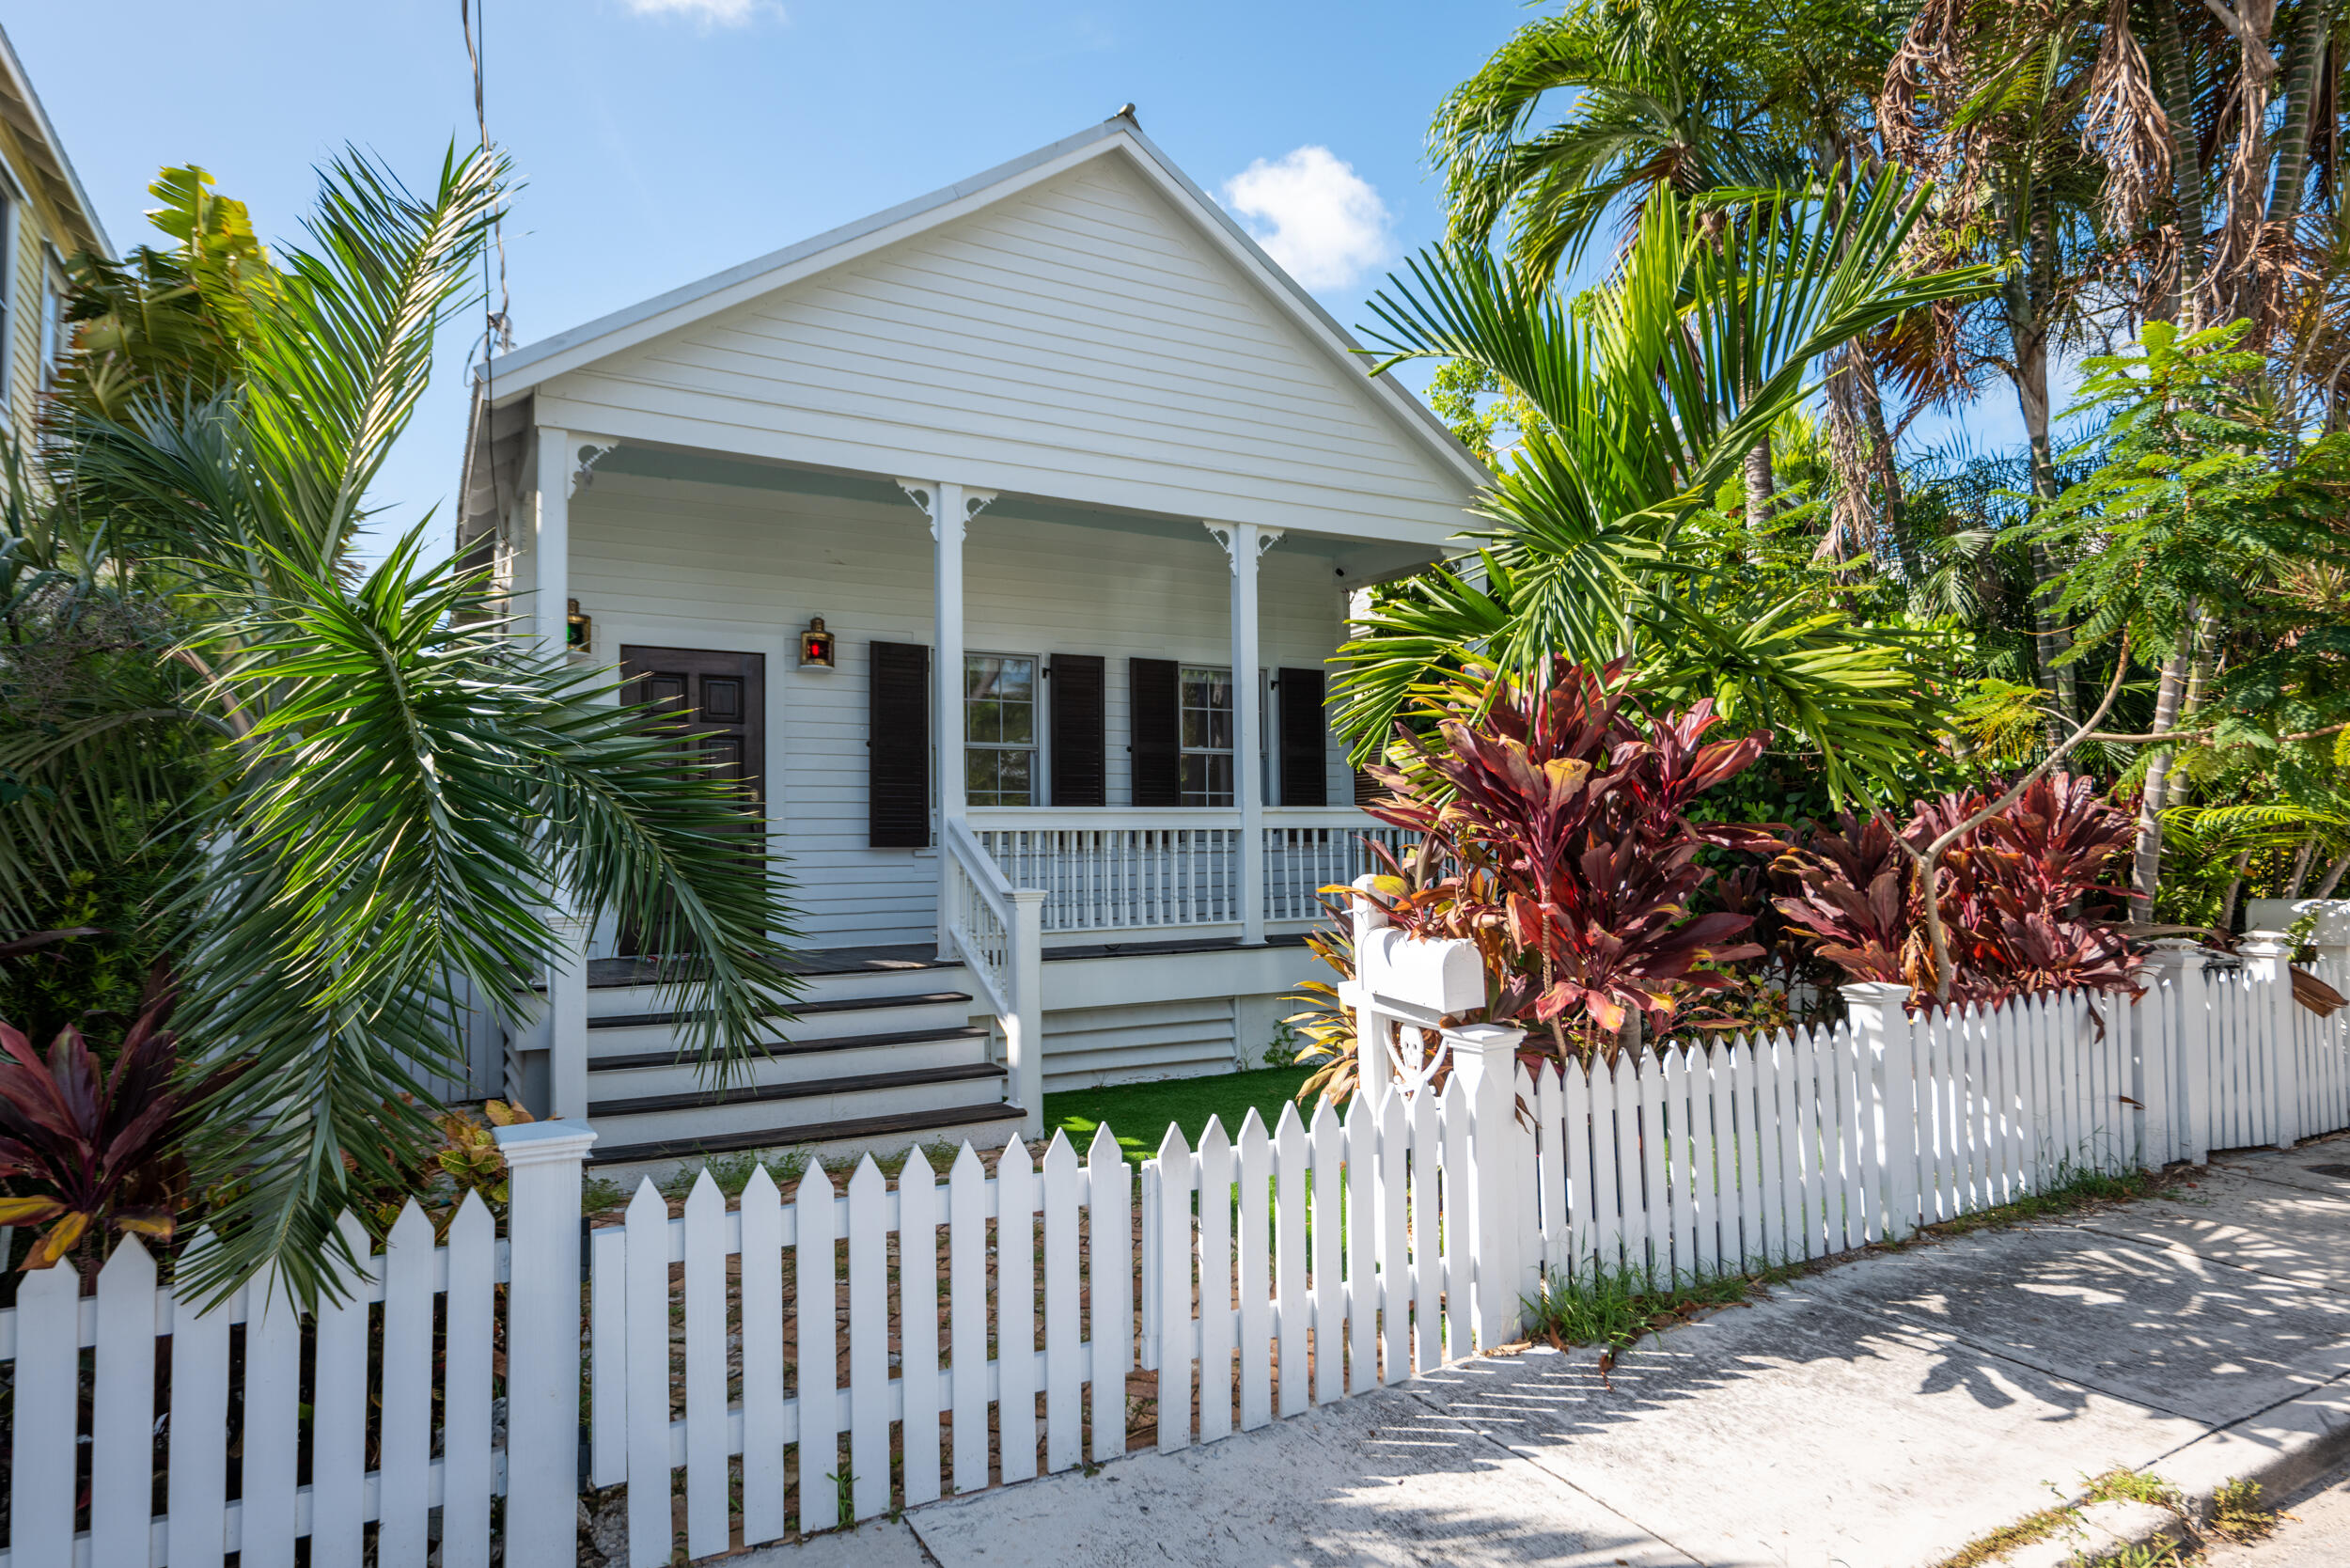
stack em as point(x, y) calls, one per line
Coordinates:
point(85, 1153)
point(1554, 835)
point(2012, 891)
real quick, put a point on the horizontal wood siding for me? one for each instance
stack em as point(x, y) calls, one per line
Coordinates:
point(1081, 341)
point(694, 565)
point(1086, 1047)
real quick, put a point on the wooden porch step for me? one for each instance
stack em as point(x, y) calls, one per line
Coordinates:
point(855, 1083)
point(854, 1129)
point(791, 1047)
point(799, 1009)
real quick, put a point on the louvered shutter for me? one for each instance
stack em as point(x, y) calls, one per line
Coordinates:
point(897, 738)
point(1154, 722)
point(1305, 760)
point(1080, 774)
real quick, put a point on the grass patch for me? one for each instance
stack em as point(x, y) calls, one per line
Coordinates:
point(1137, 1114)
point(2023, 1533)
point(2073, 1189)
point(1619, 1308)
point(2132, 1486)
point(2236, 1512)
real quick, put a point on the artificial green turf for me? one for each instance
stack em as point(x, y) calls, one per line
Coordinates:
point(1137, 1114)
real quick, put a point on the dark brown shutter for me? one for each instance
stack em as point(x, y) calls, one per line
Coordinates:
point(1305, 747)
point(897, 736)
point(1080, 769)
point(1366, 788)
point(1154, 721)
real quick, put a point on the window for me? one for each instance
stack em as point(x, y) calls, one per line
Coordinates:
point(53, 337)
point(1207, 736)
point(1000, 730)
point(8, 296)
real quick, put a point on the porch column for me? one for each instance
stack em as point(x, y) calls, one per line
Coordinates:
point(567, 969)
point(551, 542)
point(1242, 544)
point(950, 507)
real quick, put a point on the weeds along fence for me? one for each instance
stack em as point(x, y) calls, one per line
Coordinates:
point(799, 1359)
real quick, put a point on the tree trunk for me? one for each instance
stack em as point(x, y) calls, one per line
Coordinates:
point(2333, 877)
point(2301, 866)
point(2235, 886)
point(2304, 55)
point(2197, 683)
point(2028, 336)
point(2175, 80)
point(1759, 485)
point(2236, 268)
point(2146, 860)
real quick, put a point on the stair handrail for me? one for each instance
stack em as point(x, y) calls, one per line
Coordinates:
point(999, 932)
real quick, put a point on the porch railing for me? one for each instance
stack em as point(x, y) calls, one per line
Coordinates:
point(1122, 868)
point(994, 927)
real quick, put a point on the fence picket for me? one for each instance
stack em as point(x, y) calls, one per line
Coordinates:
point(1427, 1255)
point(1176, 1333)
point(1453, 1210)
point(1326, 1225)
point(1064, 1333)
point(1252, 1248)
point(1574, 1156)
point(1215, 1281)
point(647, 1327)
point(42, 1482)
point(123, 1410)
point(966, 1296)
point(339, 1420)
point(1550, 1169)
point(1362, 1239)
point(817, 1365)
point(1292, 1300)
point(1110, 1235)
point(763, 1437)
point(1015, 1313)
point(1856, 1139)
point(470, 1316)
point(197, 1490)
point(1611, 1141)
point(706, 1478)
point(1393, 1190)
point(1678, 1151)
point(403, 1489)
point(1655, 1200)
point(1747, 1151)
point(1705, 1202)
point(868, 1340)
point(1781, 1172)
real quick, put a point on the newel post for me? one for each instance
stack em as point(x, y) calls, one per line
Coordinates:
point(1374, 1074)
point(1879, 1013)
point(2268, 966)
point(1024, 1031)
point(1485, 1058)
point(542, 1340)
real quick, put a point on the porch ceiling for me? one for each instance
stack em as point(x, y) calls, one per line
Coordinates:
point(1359, 562)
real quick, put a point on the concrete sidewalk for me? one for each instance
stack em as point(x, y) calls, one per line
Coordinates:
point(1882, 1414)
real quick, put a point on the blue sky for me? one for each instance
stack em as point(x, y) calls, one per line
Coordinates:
point(660, 140)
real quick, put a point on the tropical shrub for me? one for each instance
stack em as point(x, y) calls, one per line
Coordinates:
point(84, 1151)
point(1554, 833)
point(2014, 893)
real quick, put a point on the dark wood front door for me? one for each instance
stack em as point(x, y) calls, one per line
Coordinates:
point(718, 702)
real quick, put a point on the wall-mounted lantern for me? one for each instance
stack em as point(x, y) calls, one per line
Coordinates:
point(579, 630)
point(816, 646)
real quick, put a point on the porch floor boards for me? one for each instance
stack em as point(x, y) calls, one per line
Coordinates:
point(910, 957)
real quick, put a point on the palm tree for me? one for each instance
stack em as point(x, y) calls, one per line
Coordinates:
point(373, 792)
point(1648, 393)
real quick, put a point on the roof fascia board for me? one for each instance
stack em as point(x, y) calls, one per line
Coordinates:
point(23, 81)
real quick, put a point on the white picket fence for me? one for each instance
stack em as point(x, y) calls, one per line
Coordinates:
point(847, 1349)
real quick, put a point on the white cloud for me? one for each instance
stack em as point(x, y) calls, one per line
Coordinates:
point(709, 13)
point(1322, 222)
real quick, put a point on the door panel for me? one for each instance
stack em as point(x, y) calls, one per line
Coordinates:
point(720, 703)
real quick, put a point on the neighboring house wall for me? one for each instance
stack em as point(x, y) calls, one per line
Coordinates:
point(679, 563)
point(34, 243)
point(1079, 340)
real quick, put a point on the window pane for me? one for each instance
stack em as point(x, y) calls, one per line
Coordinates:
point(1018, 723)
point(983, 722)
point(1195, 729)
point(1019, 679)
point(979, 675)
point(978, 777)
point(1207, 779)
point(1220, 729)
point(1013, 769)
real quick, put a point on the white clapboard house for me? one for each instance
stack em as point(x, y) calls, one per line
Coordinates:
point(1003, 537)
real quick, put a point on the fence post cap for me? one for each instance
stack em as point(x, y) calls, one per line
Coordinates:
point(1487, 1039)
point(542, 1142)
point(1875, 993)
point(2264, 943)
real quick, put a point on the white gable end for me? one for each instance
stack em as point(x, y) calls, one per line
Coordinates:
point(1082, 338)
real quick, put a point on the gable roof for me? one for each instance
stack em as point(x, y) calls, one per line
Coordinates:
point(514, 374)
point(48, 169)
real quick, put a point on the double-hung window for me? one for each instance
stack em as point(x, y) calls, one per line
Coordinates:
point(1000, 729)
point(53, 337)
point(1206, 736)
